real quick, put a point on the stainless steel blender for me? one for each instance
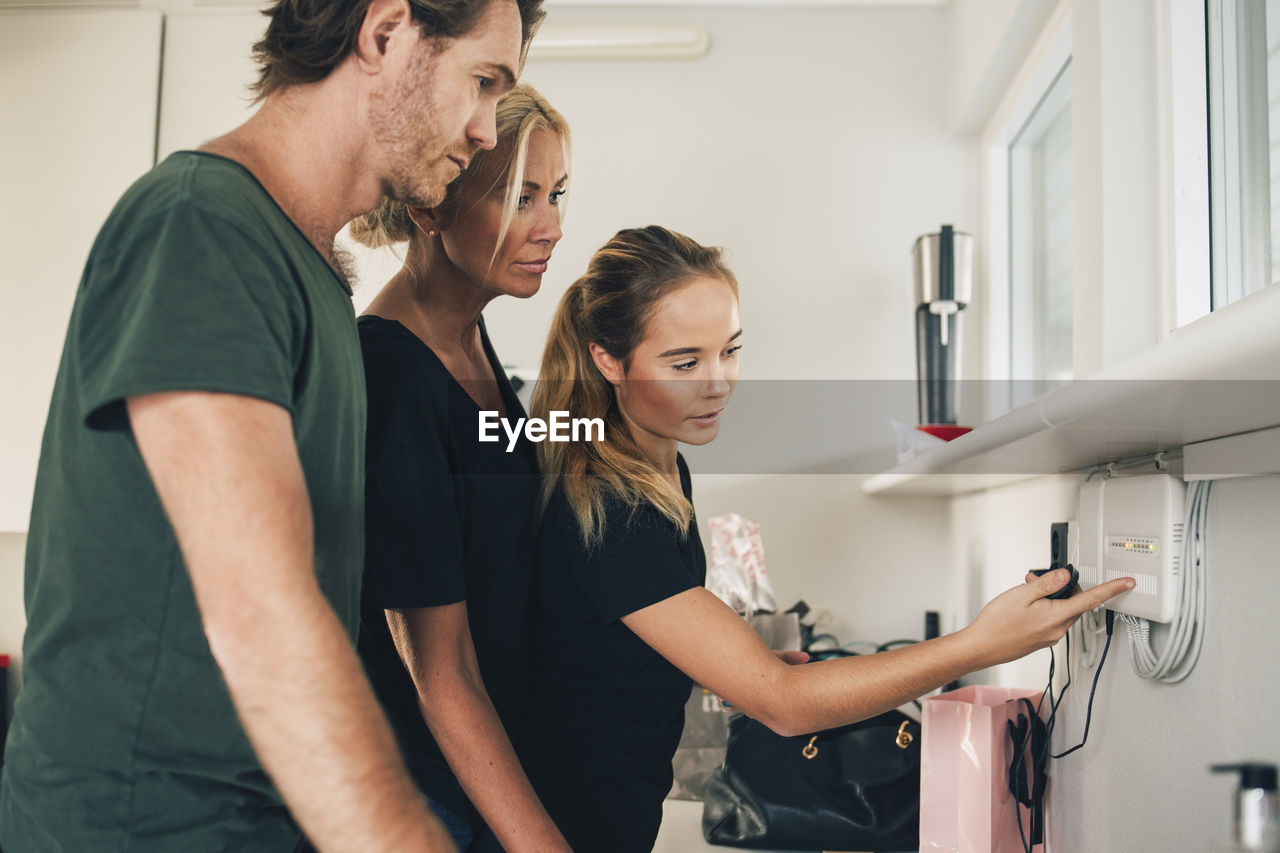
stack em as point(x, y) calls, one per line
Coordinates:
point(944, 284)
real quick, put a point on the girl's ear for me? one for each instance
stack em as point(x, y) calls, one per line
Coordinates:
point(427, 219)
point(610, 368)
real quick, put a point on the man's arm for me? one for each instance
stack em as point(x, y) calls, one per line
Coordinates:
point(227, 472)
point(435, 645)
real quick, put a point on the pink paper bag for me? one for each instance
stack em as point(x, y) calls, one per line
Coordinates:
point(965, 803)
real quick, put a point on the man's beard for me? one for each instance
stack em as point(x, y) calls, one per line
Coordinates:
point(344, 266)
point(402, 123)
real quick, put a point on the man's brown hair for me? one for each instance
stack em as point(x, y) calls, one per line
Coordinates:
point(307, 39)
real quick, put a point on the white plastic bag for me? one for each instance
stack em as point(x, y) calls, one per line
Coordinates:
point(737, 575)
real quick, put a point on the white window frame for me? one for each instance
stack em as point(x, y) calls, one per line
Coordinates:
point(1183, 105)
point(1177, 287)
point(1048, 56)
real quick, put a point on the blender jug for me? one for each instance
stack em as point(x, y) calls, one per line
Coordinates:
point(944, 284)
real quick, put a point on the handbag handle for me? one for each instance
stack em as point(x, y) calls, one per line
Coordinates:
point(903, 739)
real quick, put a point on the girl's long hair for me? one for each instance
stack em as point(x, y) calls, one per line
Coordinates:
point(610, 306)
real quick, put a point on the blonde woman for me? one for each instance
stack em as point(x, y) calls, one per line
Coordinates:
point(648, 339)
point(449, 529)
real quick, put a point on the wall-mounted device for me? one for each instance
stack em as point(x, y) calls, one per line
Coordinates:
point(1060, 550)
point(1133, 527)
point(1060, 558)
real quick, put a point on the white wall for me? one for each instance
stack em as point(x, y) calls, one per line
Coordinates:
point(811, 143)
point(992, 38)
point(12, 618)
point(77, 126)
point(1141, 783)
point(999, 535)
point(877, 564)
point(1115, 148)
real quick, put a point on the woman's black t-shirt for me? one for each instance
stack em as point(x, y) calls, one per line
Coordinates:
point(448, 519)
point(605, 710)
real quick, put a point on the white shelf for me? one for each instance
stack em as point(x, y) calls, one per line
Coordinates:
point(1216, 377)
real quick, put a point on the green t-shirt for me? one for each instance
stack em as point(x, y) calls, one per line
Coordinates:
point(124, 736)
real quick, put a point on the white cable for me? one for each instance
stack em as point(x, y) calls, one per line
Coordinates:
point(1092, 626)
point(1186, 631)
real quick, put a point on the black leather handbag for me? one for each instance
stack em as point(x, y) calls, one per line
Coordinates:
point(852, 788)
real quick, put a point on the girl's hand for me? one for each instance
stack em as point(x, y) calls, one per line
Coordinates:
point(1021, 620)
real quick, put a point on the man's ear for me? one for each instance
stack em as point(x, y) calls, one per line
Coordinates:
point(427, 219)
point(381, 20)
point(610, 368)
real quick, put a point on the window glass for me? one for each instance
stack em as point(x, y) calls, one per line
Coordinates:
point(1273, 115)
point(1040, 241)
point(1244, 145)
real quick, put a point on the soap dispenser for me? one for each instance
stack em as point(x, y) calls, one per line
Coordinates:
point(1257, 809)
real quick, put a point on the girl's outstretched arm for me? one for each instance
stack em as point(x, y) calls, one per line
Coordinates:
point(714, 646)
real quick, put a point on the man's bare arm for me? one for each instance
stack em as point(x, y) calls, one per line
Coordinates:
point(227, 472)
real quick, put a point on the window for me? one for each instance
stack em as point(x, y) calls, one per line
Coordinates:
point(1244, 143)
point(1040, 239)
point(1028, 177)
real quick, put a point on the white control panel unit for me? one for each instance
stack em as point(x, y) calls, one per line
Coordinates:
point(1133, 527)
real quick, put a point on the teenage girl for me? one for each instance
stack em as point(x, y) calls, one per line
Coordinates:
point(649, 340)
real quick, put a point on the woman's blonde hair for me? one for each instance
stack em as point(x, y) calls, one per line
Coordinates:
point(520, 112)
point(610, 306)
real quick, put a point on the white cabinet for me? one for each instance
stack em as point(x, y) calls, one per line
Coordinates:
point(77, 127)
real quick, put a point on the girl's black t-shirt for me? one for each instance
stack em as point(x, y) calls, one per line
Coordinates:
point(448, 518)
point(605, 710)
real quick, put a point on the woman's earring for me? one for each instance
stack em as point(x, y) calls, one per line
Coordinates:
point(431, 233)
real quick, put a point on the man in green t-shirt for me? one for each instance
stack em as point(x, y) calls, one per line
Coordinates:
point(194, 555)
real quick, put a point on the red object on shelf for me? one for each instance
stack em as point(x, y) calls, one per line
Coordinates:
point(4, 661)
point(946, 432)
